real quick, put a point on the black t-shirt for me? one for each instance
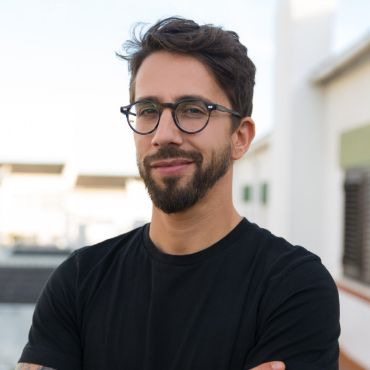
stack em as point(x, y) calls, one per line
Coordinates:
point(248, 299)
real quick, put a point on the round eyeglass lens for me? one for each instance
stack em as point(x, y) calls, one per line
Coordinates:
point(143, 116)
point(192, 116)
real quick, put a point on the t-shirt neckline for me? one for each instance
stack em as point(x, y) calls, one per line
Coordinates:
point(189, 259)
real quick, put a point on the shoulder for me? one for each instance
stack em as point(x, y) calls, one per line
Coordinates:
point(275, 254)
point(117, 242)
point(297, 304)
point(292, 271)
point(281, 269)
point(120, 244)
point(87, 261)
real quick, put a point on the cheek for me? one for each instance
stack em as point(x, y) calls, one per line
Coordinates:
point(142, 145)
point(215, 141)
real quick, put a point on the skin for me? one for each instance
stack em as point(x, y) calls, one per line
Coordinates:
point(275, 365)
point(168, 77)
point(24, 366)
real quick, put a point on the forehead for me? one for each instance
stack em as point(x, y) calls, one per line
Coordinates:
point(169, 76)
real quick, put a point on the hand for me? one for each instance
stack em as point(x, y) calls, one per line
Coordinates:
point(275, 365)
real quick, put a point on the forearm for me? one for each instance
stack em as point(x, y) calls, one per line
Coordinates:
point(24, 366)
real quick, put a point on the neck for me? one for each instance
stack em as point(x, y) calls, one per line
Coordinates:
point(197, 228)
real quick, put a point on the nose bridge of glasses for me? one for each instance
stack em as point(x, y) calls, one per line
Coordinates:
point(167, 129)
point(172, 107)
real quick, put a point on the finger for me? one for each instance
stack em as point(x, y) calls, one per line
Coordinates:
point(275, 365)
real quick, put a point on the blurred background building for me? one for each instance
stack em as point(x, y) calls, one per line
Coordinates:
point(50, 204)
point(309, 179)
point(306, 178)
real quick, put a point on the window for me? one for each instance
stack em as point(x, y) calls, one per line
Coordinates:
point(356, 257)
point(264, 193)
point(247, 193)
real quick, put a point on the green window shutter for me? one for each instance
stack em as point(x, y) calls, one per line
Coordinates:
point(355, 148)
point(264, 193)
point(247, 193)
point(356, 254)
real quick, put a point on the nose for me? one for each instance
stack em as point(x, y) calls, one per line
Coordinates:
point(167, 131)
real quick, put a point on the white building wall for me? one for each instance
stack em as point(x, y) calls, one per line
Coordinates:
point(48, 209)
point(32, 207)
point(355, 325)
point(346, 102)
point(253, 170)
point(15, 322)
point(303, 39)
point(103, 213)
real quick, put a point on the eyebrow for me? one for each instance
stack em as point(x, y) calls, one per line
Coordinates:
point(177, 98)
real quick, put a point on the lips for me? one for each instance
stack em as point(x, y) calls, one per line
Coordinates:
point(171, 163)
point(174, 167)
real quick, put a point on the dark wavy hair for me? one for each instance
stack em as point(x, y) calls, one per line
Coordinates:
point(220, 50)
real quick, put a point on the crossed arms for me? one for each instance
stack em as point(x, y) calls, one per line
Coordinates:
point(23, 366)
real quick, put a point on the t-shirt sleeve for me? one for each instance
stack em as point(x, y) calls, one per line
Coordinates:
point(53, 338)
point(299, 320)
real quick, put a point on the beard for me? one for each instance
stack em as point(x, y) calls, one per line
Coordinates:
point(172, 197)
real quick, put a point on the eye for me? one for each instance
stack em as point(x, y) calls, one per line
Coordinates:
point(192, 109)
point(146, 110)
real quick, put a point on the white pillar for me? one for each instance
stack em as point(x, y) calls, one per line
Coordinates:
point(303, 40)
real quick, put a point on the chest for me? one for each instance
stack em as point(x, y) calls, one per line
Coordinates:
point(156, 316)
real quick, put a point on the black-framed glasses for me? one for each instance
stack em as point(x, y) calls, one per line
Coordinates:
point(190, 115)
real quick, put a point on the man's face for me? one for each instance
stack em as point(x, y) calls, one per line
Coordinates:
point(178, 168)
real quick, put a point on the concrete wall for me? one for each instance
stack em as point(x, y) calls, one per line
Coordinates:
point(254, 170)
point(303, 39)
point(97, 214)
point(50, 209)
point(15, 322)
point(346, 107)
point(355, 323)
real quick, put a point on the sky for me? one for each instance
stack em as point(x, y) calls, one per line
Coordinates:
point(61, 84)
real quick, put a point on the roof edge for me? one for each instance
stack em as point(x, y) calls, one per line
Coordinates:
point(338, 63)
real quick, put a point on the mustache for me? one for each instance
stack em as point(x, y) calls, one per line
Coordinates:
point(173, 152)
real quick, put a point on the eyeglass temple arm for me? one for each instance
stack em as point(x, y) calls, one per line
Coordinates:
point(221, 108)
point(126, 111)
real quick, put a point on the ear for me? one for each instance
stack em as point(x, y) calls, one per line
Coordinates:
point(242, 137)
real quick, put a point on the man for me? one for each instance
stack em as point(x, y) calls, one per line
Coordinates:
point(200, 287)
